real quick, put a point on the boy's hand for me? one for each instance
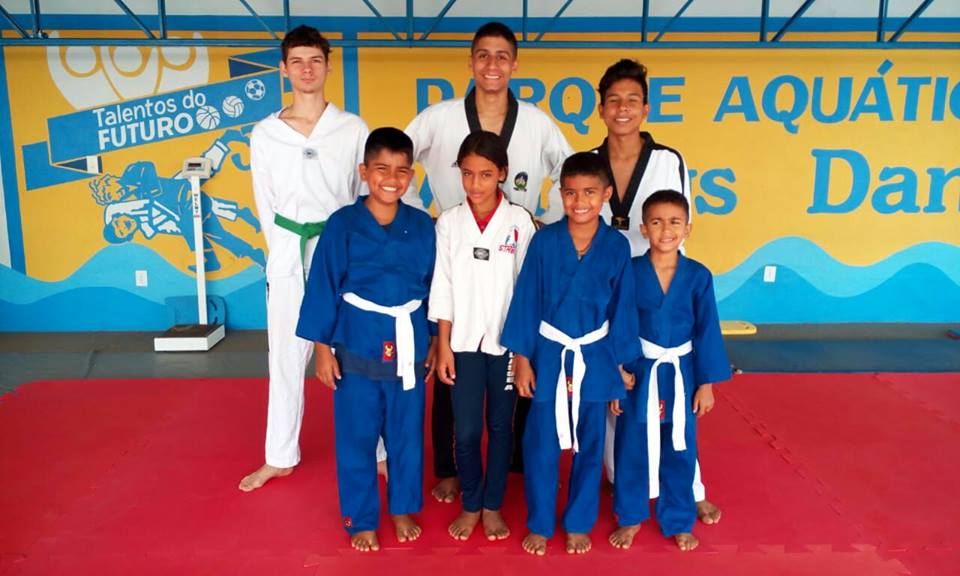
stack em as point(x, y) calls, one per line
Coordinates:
point(446, 370)
point(431, 362)
point(328, 371)
point(524, 377)
point(703, 400)
point(615, 408)
point(629, 380)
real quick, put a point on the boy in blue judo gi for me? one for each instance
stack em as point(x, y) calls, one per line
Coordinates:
point(571, 324)
point(655, 451)
point(366, 298)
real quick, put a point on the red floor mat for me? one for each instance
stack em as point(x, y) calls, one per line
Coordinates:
point(816, 474)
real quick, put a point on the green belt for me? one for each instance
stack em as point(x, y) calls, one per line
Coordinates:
point(305, 231)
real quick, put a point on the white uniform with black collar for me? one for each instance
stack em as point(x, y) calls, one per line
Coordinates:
point(304, 179)
point(536, 151)
point(475, 273)
point(658, 168)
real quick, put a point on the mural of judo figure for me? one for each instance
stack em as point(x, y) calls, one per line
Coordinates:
point(140, 200)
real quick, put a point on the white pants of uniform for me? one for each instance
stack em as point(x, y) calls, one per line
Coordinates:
point(288, 356)
point(699, 490)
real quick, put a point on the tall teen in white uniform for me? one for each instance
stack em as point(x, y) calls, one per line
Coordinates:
point(481, 244)
point(536, 149)
point(304, 162)
point(639, 166)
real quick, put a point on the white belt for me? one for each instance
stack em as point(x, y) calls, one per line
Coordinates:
point(568, 440)
point(406, 353)
point(660, 356)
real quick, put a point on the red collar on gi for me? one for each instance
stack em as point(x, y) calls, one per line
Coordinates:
point(482, 224)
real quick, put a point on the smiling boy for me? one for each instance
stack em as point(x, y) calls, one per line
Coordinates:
point(571, 325)
point(365, 298)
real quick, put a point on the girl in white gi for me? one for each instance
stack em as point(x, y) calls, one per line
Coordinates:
point(536, 149)
point(481, 244)
point(304, 162)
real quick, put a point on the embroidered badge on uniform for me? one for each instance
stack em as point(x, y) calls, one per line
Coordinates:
point(570, 385)
point(510, 242)
point(663, 412)
point(389, 351)
point(348, 522)
point(520, 182)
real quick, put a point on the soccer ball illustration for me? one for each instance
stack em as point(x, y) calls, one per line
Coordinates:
point(255, 89)
point(208, 117)
point(232, 106)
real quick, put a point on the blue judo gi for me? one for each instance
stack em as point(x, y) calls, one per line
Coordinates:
point(390, 266)
point(680, 326)
point(576, 298)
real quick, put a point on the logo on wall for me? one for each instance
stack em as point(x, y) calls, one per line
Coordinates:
point(89, 76)
point(133, 96)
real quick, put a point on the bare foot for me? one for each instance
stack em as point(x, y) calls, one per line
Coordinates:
point(493, 525)
point(365, 541)
point(382, 470)
point(535, 544)
point(686, 541)
point(446, 490)
point(707, 512)
point(578, 543)
point(622, 537)
point(407, 529)
point(253, 481)
point(462, 526)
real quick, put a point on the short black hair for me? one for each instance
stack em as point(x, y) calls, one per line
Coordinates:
point(497, 30)
point(387, 138)
point(487, 145)
point(585, 164)
point(304, 36)
point(666, 197)
point(625, 69)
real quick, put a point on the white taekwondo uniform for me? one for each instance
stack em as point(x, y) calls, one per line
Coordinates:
point(303, 180)
point(475, 273)
point(535, 146)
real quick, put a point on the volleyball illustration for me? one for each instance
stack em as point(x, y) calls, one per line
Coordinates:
point(255, 89)
point(208, 117)
point(232, 106)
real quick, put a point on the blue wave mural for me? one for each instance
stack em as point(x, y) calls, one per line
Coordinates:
point(916, 293)
point(831, 277)
point(102, 295)
point(918, 284)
